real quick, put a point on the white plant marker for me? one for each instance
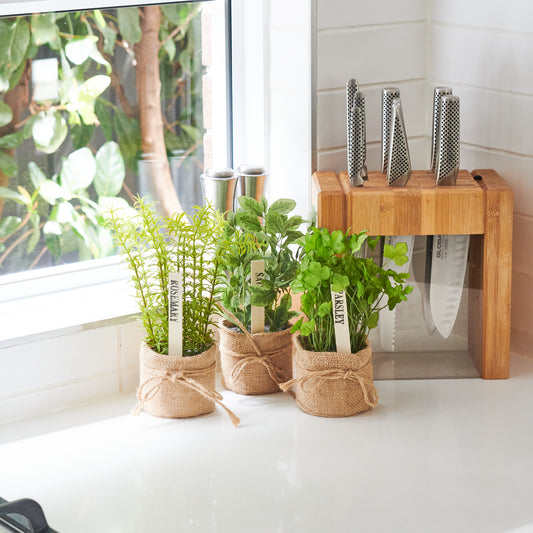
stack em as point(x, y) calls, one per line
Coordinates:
point(340, 319)
point(258, 313)
point(175, 314)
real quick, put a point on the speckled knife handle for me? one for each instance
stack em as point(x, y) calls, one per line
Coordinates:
point(388, 95)
point(438, 92)
point(360, 138)
point(351, 88)
point(358, 116)
point(449, 141)
point(399, 165)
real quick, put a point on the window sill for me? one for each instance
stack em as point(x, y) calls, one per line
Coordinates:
point(64, 300)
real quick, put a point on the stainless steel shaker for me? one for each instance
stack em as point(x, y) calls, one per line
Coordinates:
point(218, 188)
point(251, 181)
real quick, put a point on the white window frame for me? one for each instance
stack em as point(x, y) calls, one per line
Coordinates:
point(93, 306)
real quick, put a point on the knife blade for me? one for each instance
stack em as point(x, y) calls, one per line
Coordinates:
point(398, 173)
point(387, 318)
point(450, 252)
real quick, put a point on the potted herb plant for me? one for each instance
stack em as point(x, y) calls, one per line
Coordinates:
point(175, 266)
point(255, 338)
point(342, 294)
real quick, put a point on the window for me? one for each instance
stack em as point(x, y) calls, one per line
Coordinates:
point(97, 105)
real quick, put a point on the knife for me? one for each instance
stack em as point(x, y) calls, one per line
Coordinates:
point(449, 253)
point(438, 92)
point(398, 173)
point(354, 132)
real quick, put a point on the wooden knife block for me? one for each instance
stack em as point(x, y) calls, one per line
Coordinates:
point(480, 205)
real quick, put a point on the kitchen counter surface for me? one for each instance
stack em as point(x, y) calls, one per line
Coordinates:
point(435, 455)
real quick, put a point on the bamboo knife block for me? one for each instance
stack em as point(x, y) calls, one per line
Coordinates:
point(480, 205)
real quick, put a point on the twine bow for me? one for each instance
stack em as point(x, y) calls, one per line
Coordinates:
point(259, 357)
point(150, 387)
point(312, 379)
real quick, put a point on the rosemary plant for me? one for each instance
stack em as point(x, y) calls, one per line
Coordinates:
point(153, 246)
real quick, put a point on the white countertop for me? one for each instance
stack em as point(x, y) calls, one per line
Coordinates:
point(435, 455)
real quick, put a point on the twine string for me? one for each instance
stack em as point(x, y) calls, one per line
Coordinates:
point(151, 386)
point(312, 379)
point(246, 359)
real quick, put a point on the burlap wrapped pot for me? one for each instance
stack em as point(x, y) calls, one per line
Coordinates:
point(332, 384)
point(178, 387)
point(254, 364)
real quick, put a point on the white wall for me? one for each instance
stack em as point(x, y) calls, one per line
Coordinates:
point(381, 44)
point(484, 50)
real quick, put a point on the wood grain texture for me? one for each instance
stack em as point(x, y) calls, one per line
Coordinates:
point(481, 207)
point(497, 270)
point(420, 208)
point(329, 200)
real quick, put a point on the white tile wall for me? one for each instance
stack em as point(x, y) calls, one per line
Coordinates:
point(381, 54)
point(341, 13)
point(483, 48)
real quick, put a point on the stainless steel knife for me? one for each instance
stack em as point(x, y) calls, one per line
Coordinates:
point(398, 173)
point(449, 253)
point(387, 96)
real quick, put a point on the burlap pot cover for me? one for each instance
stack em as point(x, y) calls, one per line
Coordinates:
point(332, 384)
point(254, 364)
point(178, 387)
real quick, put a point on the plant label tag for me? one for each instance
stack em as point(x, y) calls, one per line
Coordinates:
point(340, 320)
point(175, 314)
point(258, 313)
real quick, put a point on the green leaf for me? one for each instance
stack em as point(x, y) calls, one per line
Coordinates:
point(261, 296)
point(81, 134)
point(307, 327)
point(373, 320)
point(264, 204)
point(274, 222)
point(99, 18)
point(50, 191)
point(170, 48)
point(78, 170)
point(36, 234)
point(84, 97)
point(14, 41)
point(251, 205)
point(110, 170)
point(8, 165)
point(104, 117)
point(247, 221)
point(325, 309)
point(36, 175)
point(53, 243)
point(172, 12)
point(339, 282)
point(8, 226)
point(396, 253)
point(11, 140)
point(6, 115)
point(49, 131)
point(196, 134)
point(79, 49)
point(110, 37)
point(9, 194)
point(129, 139)
point(45, 31)
point(129, 24)
point(283, 206)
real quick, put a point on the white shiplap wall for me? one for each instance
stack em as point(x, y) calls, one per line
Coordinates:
point(381, 44)
point(484, 50)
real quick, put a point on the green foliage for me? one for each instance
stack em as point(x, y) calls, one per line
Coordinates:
point(153, 246)
point(334, 261)
point(87, 45)
point(75, 223)
point(273, 232)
